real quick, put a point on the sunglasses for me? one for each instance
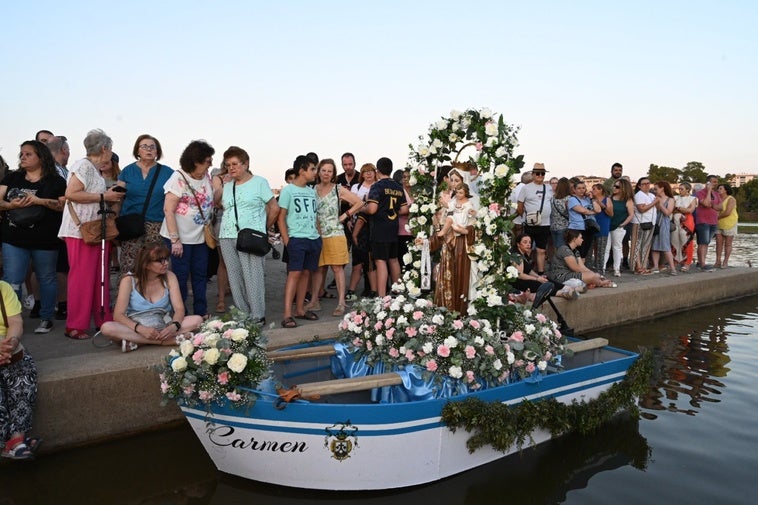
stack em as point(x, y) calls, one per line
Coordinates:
point(617, 186)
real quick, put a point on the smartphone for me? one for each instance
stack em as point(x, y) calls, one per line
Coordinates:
point(119, 189)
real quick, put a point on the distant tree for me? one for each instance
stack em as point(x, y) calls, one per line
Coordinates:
point(669, 174)
point(694, 171)
point(748, 196)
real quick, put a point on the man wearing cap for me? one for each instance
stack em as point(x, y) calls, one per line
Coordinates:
point(518, 221)
point(534, 205)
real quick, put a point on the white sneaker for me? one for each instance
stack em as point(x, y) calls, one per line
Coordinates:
point(44, 326)
point(127, 346)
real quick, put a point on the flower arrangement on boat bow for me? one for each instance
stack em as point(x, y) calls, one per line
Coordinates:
point(399, 332)
point(214, 364)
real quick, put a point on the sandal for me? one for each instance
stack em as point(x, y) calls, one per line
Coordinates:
point(289, 323)
point(314, 306)
point(339, 311)
point(327, 294)
point(127, 346)
point(310, 316)
point(76, 334)
point(220, 308)
point(20, 451)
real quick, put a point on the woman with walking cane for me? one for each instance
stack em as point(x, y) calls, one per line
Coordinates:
point(88, 287)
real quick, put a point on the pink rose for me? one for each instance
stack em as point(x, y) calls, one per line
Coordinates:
point(198, 339)
point(475, 324)
point(443, 351)
point(222, 378)
point(495, 207)
point(198, 356)
point(389, 322)
point(188, 390)
point(357, 319)
point(394, 352)
point(517, 336)
point(478, 146)
point(233, 396)
point(417, 315)
point(431, 365)
point(470, 352)
point(357, 342)
point(164, 387)
point(458, 324)
point(378, 326)
point(409, 355)
point(205, 395)
point(489, 349)
point(541, 318)
point(548, 355)
point(469, 376)
point(530, 367)
point(431, 329)
point(411, 332)
point(343, 325)
point(390, 333)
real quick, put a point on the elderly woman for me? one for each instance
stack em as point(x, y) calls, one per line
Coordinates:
point(568, 263)
point(31, 197)
point(643, 224)
point(18, 381)
point(187, 208)
point(248, 202)
point(149, 308)
point(143, 180)
point(86, 187)
point(334, 254)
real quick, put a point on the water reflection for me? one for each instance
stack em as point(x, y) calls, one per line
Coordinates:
point(687, 373)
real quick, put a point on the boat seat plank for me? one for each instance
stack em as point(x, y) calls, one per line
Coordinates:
point(337, 386)
point(587, 345)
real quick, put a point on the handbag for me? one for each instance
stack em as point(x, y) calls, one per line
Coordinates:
point(131, 226)
point(26, 217)
point(210, 239)
point(92, 231)
point(646, 226)
point(249, 240)
point(590, 224)
point(535, 218)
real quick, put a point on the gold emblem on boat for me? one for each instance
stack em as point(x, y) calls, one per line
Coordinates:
point(340, 439)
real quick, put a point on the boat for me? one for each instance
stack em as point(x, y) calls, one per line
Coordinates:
point(336, 436)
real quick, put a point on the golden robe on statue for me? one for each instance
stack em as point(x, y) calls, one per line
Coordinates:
point(453, 278)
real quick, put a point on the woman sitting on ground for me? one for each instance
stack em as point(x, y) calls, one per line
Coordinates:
point(528, 279)
point(18, 381)
point(568, 264)
point(149, 307)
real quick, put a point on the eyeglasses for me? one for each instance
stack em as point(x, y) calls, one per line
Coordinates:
point(162, 259)
point(234, 165)
point(148, 147)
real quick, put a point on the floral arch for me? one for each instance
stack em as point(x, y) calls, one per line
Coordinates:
point(493, 141)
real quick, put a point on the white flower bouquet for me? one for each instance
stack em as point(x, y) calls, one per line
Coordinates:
point(217, 363)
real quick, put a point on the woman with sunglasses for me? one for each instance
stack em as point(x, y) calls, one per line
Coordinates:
point(151, 294)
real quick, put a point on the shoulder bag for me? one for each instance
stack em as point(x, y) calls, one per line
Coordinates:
point(92, 231)
point(249, 241)
point(535, 218)
point(210, 239)
point(131, 226)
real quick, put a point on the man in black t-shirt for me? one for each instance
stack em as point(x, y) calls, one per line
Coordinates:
point(386, 201)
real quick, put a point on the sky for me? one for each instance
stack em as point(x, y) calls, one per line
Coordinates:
point(589, 83)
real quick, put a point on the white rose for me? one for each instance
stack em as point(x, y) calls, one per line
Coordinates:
point(500, 152)
point(239, 334)
point(527, 313)
point(529, 329)
point(211, 340)
point(542, 365)
point(455, 372)
point(479, 341)
point(455, 114)
point(179, 364)
point(432, 150)
point(381, 315)
point(438, 319)
point(486, 113)
point(379, 340)
point(407, 258)
point(497, 364)
point(423, 152)
point(402, 320)
point(451, 342)
point(237, 362)
point(186, 348)
point(494, 300)
point(173, 353)
point(408, 307)
point(414, 291)
point(421, 220)
point(427, 348)
point(211, 356)
point(413, 208)
point(501, 170)
point(512, 272)
point(453, 137)
point(412, 180)
point(490, 128)
point(440, 125)
point(437, 142)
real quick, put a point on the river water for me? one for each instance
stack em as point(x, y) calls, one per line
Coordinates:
point(694, 443)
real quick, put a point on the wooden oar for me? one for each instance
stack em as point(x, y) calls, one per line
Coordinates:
point(336, 386)
point(328, 350)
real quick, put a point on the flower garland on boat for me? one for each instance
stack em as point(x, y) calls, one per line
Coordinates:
point(399, 331)
point(217, 363)
point(494, 142)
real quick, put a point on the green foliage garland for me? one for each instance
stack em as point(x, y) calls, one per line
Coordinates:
point(501, 426)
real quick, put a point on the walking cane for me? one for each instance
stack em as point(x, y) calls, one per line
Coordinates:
point(104, 211)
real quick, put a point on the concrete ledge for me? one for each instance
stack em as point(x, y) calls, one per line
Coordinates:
point(100, 394)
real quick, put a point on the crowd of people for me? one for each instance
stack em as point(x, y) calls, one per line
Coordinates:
point(177, 228)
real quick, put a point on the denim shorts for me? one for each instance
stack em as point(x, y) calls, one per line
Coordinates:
point(303, 254)
point(705, 233)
